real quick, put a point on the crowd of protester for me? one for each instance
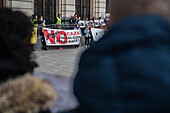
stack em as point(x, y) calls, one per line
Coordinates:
point(74, 21)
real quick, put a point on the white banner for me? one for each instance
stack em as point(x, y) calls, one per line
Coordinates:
point(58, 37)
point(97, 33)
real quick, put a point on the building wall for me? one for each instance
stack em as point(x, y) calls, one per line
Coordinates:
point(98, 8)
point(26, 6)
point(66, 8)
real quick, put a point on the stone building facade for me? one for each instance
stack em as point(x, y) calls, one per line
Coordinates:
point(50, 8)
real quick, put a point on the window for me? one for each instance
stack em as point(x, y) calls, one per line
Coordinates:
point(83, 8)
point(108, 2)
point(46, 8)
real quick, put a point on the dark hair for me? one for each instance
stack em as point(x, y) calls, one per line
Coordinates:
point(33, 16)
point(15, 33)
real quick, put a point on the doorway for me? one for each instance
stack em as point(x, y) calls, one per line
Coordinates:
point(83, 8)
point(1, 3)
point(47, 9)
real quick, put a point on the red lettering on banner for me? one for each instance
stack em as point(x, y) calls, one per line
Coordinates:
point(73, 33)
point(49, 37)
point(59, 35)
point(78, 33)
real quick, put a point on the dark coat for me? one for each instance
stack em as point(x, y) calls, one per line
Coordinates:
point(128, 70)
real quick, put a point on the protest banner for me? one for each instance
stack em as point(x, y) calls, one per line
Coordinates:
point(97, 33)
point(34, 36)
point(58, 37)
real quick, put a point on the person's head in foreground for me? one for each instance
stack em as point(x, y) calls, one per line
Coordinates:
point(20, 92)
point(128, 70)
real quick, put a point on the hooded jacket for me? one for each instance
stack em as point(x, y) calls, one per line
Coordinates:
point(26, 94)
point(128, 70)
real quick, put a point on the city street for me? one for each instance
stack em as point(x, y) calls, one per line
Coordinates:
point(59, 62)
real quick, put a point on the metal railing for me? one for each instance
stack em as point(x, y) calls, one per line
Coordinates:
point(55, 26)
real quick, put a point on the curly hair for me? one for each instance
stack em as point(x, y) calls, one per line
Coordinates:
point(15, 33)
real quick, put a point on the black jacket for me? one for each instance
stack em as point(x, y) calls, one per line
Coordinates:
point(128, 70)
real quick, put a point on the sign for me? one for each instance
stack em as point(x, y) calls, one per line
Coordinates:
point(58, 37)
point(82, 24)
point(34, 36)
point(97, 33)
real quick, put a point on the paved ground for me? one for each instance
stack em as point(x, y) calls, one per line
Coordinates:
point(60, 62)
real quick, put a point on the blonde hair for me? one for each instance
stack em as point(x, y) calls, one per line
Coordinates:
point(123, 8)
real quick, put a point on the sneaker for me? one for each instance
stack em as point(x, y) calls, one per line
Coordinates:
point(85, 45)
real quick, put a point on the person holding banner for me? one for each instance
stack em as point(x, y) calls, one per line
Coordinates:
point(87, 34)
point(77, 27)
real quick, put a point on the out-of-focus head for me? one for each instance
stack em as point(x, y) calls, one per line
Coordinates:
point(123, 8)
point(101, 26)
point(92, 25)
point(59, 15)
point(33, 16)
point(77, 25)
point(15, 33)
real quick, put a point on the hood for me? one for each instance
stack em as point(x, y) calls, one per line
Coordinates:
point(135, 30)
point(26, 94)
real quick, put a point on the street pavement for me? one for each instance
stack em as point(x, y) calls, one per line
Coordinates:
point(59, 68)
point(59, 62)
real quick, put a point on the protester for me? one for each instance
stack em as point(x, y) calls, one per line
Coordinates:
point(93, 19)
point(100, 20)
point(100, 26)
point(75, 20)
point(91, 36)
point(71, 19)
point(87, 33)
point(43, 42)
point(128, 70)
point(36, 30)
point(20, 92)
point(86, 22)
point(35, 20)
point(77, 27)
point(58, 21)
